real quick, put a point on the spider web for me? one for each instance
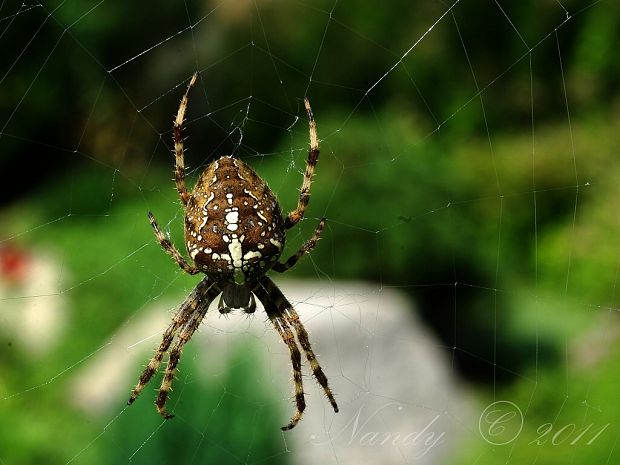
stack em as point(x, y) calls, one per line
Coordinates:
point(462, 300)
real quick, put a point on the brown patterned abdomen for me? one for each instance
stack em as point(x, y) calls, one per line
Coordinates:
point(233, 226)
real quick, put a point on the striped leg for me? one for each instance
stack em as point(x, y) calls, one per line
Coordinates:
point(181, 316)
point(287, 336)
point(307, 247)
point(190, 327)
point(170, 249)
point(155, 362)
point(283, 328)
point(177, 134)
point(313, 156)
point(280, 311)
point(304, 340)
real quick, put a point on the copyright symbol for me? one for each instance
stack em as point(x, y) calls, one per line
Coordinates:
point(500, 423)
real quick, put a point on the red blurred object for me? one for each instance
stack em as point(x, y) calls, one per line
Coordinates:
point(14, 264)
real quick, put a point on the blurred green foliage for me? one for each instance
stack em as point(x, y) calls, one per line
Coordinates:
point(216, 420)
point(441, 178)
point(569, 414)
point(80, 68)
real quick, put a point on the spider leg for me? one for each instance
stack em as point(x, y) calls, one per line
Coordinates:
point(282, 315)
point(170, 248)
point(205, 296)
point(304, 340)
point(286, 309)
point(180, 317)
point(313, 156)
point(177, 134)
point(283, 328)
point(307, 247)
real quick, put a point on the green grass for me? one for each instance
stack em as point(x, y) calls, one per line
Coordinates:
point(110, 269)
point(402, 209)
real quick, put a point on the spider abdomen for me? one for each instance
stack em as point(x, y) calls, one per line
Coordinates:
point(233, 226)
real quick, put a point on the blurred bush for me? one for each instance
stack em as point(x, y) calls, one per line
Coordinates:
point(81, 72)
point(502, 223)
point(434, 208)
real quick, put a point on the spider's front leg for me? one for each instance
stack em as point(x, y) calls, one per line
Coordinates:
point(204, 297)
point(283, 328)
point(283, 316)
point(182, 315)
point(304, 340)
point(179, 318)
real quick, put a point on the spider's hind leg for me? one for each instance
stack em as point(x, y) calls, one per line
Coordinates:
point(313, 157)
point(179, 150)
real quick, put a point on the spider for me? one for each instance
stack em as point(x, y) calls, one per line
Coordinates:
point(235, 233)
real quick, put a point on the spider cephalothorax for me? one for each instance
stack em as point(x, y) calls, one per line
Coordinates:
point(235, 233)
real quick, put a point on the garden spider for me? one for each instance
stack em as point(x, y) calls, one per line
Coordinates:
point(235, 233)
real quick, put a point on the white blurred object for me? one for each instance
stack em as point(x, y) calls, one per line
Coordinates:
point(33, 311)
point(399, 399)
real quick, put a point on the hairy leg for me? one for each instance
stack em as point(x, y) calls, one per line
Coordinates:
point(170, 249)
point(180, 318)
point(283, 316)
point(307, 247)
point(179, 150)
point(205, 297)
point(313, 157)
